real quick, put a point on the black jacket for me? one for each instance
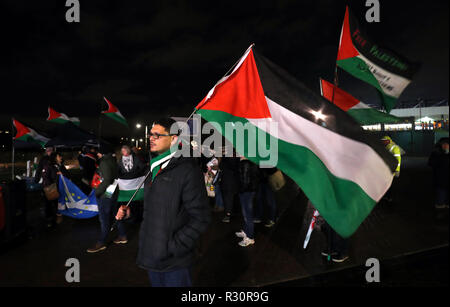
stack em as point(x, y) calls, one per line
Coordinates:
point(176, 212)
point(107, 169)
point(229, 168)
point(46, 171)
point(88, 164)
point(248, 176)
point(137, 170)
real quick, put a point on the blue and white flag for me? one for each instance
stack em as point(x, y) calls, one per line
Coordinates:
point(73, 202)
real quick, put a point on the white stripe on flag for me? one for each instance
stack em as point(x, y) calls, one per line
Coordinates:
point(345, 158)
point(130, 184)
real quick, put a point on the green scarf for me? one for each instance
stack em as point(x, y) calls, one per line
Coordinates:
point(157, 162)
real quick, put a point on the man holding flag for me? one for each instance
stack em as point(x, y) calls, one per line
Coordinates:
point(176, 210)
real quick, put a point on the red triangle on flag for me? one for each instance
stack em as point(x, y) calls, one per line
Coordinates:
point(337, 96)
point(111, 107)
point(21, 129)
point(346, 48)
point(241, 94)
point(52, 114)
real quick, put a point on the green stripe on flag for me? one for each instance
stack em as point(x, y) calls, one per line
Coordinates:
point(359, 69)
point(342, 203)
point(371, 116)
point(118, 118)
point(125, 196)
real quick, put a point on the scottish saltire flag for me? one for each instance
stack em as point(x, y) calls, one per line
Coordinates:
point(73, 202)
point(127, 187)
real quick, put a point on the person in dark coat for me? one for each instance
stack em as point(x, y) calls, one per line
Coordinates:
point(248, 185)
point(46, 172)
point(107, 200)
point(229, 184)
point(88, 164)
point(176, 212)
point(438, 161)
point(265, 198)
point(60, 169)
point(130, 167)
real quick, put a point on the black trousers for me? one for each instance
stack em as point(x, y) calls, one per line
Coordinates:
point(228, 200)
point(51, 207)
point(335, 243)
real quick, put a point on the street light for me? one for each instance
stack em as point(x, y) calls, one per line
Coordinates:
point(138, 125)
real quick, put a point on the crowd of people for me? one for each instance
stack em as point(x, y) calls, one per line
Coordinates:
point(181, 192)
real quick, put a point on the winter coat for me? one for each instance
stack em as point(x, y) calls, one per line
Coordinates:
point(229, 168)
point(47, 171)
point(439, 161)
point(107, 169)
point(88, 164)
point(249, 176)
point(176, 212)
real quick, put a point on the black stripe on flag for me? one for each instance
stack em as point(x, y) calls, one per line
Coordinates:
point(383, 57)
point(291, 94)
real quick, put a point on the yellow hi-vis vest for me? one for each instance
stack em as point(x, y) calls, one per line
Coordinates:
point(395, 150)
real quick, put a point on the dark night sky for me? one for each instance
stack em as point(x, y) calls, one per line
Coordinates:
point(154, 57)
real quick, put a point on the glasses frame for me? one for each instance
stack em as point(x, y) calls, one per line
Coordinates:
point(158, 135)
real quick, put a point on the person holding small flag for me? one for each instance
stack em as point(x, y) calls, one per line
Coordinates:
point(106, 192)
point(176, 210)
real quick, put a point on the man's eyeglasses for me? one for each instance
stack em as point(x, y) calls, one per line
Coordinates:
point(156, 136)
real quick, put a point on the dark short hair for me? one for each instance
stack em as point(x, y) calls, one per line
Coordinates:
point(167, 123)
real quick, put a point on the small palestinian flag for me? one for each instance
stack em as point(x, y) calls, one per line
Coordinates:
point(61, 118)
point(114, 113)
point(361, 112)
point(387, 71)
point(28, 135)
point(127, 187)
point(342, 169)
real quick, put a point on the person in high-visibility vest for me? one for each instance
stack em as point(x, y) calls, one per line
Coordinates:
point(395, 150)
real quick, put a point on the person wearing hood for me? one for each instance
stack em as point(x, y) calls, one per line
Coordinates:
point(106, 194)
point(438, 161)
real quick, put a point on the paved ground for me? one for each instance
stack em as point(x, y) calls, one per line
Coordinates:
point(409, 237)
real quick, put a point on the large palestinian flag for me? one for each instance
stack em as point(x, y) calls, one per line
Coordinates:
point(361, 112)
point(28, 135)
point(341, 168)
point(114, 113)
point(61, 118)
point(387, 71)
